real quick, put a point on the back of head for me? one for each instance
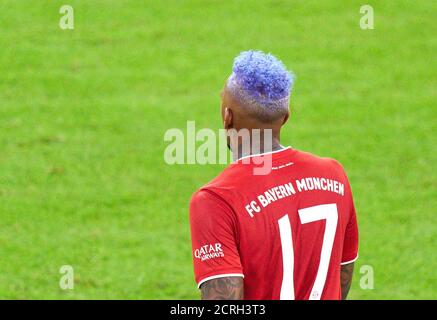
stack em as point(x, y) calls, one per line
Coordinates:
point(261, 84)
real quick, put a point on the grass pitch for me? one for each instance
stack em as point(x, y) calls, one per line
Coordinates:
point(83, 114)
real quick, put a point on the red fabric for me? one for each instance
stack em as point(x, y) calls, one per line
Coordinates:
point(230, 237)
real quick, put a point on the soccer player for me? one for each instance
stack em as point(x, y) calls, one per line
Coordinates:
point(288, 234)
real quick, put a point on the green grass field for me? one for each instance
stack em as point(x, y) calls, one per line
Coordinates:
point(83, 114)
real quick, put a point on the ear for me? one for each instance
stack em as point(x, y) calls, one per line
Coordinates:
point(286, 118)
point(228, 119)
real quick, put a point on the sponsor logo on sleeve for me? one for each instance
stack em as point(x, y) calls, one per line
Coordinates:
point(209, 251)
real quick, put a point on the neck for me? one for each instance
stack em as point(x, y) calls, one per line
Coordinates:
point(256, 148)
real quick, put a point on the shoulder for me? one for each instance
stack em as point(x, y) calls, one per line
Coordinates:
point(315, 160)
point(205, 200)
point(203, 195)
point(226, 182)
point(208, 209)
point(219, 192)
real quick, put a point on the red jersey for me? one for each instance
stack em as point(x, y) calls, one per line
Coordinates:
point(287, 232)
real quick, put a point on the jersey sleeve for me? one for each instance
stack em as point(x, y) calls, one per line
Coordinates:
point(213, 237)
point(350, 245)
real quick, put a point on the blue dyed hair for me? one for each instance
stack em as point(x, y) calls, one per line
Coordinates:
point(262, 83)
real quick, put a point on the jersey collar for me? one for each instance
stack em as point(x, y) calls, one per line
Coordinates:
point(264, 153)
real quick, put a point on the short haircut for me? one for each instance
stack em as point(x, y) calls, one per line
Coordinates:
point(261, 83)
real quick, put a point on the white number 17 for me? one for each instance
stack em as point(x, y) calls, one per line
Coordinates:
point(326, 212)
